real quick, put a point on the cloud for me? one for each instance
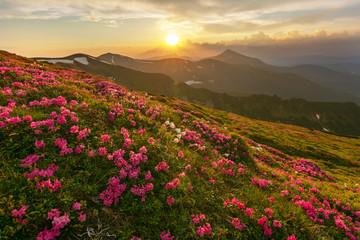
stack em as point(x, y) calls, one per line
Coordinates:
point(286, 44)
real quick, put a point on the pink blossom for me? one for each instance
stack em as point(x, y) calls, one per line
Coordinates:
point(102, 151)
point(19, 214)
point(148, 177)
point(195, 219)
point(74, 129)
point(174, 184)
point(277, 224)
point(82, 217)
point(204, 230)
point(162, 166)
point(237, 225)
point(267, 231)
point(262, 221)
point(79, 148)
point(170, 200)
point(180, 154)
point(113, 191)
point(249, 211)
point(77, 206)
point(166, 236)
point(292, 237)
point(105, 138)
point(27, 118)
point(53, 213)
point(269, 212)
point(39, 144)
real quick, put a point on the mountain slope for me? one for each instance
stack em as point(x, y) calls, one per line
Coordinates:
point(348, 83)
point(82, 157)
point(141, 81)
point(232, 57)
point(325, 76)
point(231, 72)
point(336, 117)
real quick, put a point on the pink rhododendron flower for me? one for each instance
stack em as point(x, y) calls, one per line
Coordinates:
point(19, 214)
point(267, 231)
point(148, 177)
point(53, 213)
point(82, 217)
point(105, 138)
point(39, 144)
point(249, 211)
point(102, 151)
point(204, 230)
point(74, 129)
point(174, 184)
point(237, 225)
point(292, 237)
point(277, 224)
point(170, 200)
point(262, 221)
point(77, 206)
point(162, 166)
point(269, 212)
point(166, 236)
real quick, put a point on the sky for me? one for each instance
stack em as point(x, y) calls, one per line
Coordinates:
point(138, 28)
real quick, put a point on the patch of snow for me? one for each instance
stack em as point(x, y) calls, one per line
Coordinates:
point(104, 61)
point(199, 67)
point(189, 70)
point(193, 76)
point(54, 61)
point(82, 60)
point(317, 116)
point(211, 81)
point(143, 61)
point(191, 82)
point(326, 130)
point(112, 59)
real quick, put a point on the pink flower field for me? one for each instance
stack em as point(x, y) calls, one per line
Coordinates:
point(84, 158)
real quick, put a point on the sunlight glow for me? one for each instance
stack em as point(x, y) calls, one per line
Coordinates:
point(172, 39)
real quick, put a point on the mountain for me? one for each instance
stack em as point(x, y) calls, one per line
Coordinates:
point(320, 75)
point(341, 118)
point(82, 158)
point(141, 81)
point(239, 75)
point(327, 77)
point(232, 57)
point(348, 68)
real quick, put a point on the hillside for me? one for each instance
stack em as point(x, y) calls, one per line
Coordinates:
point(231, 72)
point(323, 76)
point(153, 82)
point(84, 158)
point(340, 118)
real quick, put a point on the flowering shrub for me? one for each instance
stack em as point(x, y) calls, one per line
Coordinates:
point(79, 150)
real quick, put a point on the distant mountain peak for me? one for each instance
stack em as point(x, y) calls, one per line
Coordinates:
point(230, 56)
point(229, 51)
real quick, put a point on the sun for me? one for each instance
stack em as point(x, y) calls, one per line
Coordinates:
point(172, 39)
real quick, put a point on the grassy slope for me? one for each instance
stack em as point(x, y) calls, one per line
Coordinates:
point(214, 141)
